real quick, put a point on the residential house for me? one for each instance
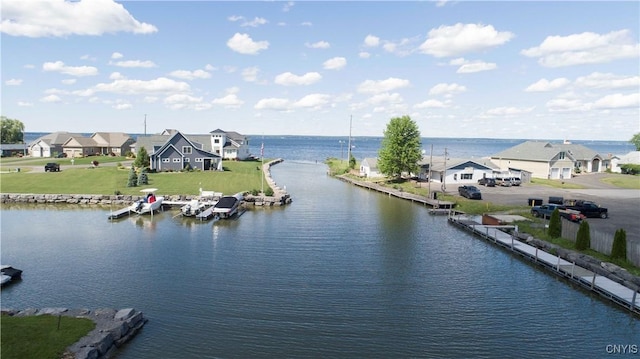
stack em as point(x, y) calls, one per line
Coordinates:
point(179, 152)
point(230, 145)
point(79, 146)
point(116, 143)
point(548, 160)
point(455, 171)
point(631, 158)
point(13, 149)
point(369, 168)
point(50, 145)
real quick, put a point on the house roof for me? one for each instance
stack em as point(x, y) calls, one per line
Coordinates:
point(56, 138)
point(82, 141)
point(438, 163)
point(196, 146)
point(632, 157)
point(544, 151)
point(372, 162)
point(113, 139)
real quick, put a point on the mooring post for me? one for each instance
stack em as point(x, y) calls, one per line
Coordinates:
point(558, 265)
point(572, 267)
point(633, 300)
point(536, 254)
point(593, 281)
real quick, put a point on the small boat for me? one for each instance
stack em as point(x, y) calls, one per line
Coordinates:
point(227, 206)
point(194, 207)
point(9, 274)
point(149, 204)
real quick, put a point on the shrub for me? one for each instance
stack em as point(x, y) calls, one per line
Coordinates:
point(583, 238)
point(254, 192)
point(619, 247)
point(555, 225)
point(133, 179)
point(95, 163)
point(143, 179)
point(268, 192)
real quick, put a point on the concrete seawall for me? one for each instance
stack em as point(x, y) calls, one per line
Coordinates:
point(113, 329)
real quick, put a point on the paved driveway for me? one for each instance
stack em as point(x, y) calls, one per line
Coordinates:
point(623, 204)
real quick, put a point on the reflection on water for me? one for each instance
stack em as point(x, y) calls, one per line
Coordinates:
point(341, 272)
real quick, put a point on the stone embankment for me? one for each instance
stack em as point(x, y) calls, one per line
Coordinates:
point(280, 196)
point(113, 329)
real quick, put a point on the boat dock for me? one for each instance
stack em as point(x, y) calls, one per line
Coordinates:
point(617, 293)
point(120, 213)
point(438, 206)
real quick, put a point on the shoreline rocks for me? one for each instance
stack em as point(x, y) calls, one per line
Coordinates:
point(113, 329)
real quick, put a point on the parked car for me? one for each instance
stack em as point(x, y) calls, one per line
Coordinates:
point(52, 167)
point(62, 155)
point(471, 192)
point(515, 181)
point(546, 210)
point(488, 182)
point(588, 208)
point(503, 181)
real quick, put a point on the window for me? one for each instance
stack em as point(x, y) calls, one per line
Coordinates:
point(466, 176)
point(176, 160)
point(165, 160)
point(198, 159)
point(216, 140)
point(186, 159)
point(186, 150)
point(561, 156)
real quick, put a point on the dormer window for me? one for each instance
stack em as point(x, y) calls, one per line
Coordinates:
point(186, 150)
point(561, 155)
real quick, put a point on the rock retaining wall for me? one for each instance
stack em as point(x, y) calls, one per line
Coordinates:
point(113, 329)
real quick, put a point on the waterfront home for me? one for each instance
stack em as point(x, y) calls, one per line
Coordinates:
point(369, 168)
point(50, 145)
point(456, 171)
point(78, 145)
point(179, 152)
point(631, 158)
point(550, 160)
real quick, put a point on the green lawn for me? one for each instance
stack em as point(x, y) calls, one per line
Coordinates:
point(555, 183)
point(623, 181)
point(36, 161)
point(238, 176)
point(39, 336)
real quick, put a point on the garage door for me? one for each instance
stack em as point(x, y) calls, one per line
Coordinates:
point(555, 173)
point(566, 173)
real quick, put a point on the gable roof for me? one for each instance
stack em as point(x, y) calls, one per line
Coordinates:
point(111, 139)
point(82, 141)
point(543, 151)
point(372, 162)
point(56, 138)
point(632, 157)
point(168, 143)
point(438, 163)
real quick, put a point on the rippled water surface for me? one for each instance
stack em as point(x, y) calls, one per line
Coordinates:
point(341, 272)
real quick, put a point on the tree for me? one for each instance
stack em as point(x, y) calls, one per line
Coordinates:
point(143, 179)
point(583, 238)
point(400, 151)
point(619, 247)
point(352, 162)
point(11, 131)
point(133, 178)
point(555, 224)
point(636, 141)
point(142, 159)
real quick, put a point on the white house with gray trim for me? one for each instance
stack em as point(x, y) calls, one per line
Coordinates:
point(550, 160)
point(369, 168)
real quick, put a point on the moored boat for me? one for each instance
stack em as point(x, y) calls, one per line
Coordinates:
point(149, 204)
point(227, 206)
point(9, 274)
point(194, 207)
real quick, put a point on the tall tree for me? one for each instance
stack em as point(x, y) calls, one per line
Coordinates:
point(401, 147)
point(142, 158)
point(636, 141)
point(11, 131)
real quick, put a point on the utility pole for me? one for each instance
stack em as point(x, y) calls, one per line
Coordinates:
point(349, 149)
point(444, 177)
point(145, 124)
point(430, 165)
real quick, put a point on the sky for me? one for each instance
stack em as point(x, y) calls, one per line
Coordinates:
point(459, 69)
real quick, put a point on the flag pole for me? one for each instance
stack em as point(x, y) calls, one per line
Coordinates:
point(262, 165)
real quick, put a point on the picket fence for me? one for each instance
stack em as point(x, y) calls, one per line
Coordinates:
point(601, 242)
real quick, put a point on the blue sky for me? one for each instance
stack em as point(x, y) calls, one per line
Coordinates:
point(534, 70)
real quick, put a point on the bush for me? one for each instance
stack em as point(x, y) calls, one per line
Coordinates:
point(630, 169)
point(133, 178)
point(619, 247)
point(95, 163)
point(583, 238)
point(555, 225)
point(143, 179)
point(255, 192)
point(268, 192)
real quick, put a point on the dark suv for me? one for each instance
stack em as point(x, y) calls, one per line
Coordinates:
point(52, 167)
point(489, 182)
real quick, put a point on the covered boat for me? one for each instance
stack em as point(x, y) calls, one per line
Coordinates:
point(227, 206)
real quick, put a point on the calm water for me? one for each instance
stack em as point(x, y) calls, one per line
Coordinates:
point(342, 272)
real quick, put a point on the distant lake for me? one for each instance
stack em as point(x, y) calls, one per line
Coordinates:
point(340, 273)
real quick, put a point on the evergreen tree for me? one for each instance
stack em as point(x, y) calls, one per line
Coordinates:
point(142, 158)
point(143, 179)
point(555, 225)
point(619, 247)
point(133, 179)
point(400, 151)
point(583, 238)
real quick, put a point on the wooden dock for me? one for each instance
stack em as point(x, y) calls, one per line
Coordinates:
point(434, 203)
point(119, 213)
point(617, 293)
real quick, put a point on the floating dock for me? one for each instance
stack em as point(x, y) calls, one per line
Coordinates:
point(624, 296)
point(120, 213)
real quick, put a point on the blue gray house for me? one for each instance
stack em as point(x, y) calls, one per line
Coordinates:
point(179, 152)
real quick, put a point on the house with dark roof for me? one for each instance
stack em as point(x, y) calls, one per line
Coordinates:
point(230, 145)
point(550, 160)
point(179, 152)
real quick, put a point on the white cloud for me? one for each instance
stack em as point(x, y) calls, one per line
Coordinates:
point(25, 104)
point(544, 85)
point(618, 101)
point(116, 76)
point(313, 101)
point(234, 18)
point(139, 87)
point(364, 55)
point(277, 104)
point(289, 79)
point(122, 106)
point(508, 111)
point(403, 47)
point(60, 67)
point(431, 104)
point(229, 101)
point(190, 75)
point(476, 66)
point(287, 6)
point(447, 89)
point(69, 81)
point(386, 97)
point(567, 105)
point(371, 41)
point(117, 55)
point(374, 87)
point(59, 18)
point(51, 99)
point(584, 48)
point(184, 101)
point(13, 82)
point(608, 81)
point(134, 63)
point(306, 23)
point(242, 43)
point(255, 22)
point(250, 74)
point(318, 45)
point(336, 63)
point(459, 39)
